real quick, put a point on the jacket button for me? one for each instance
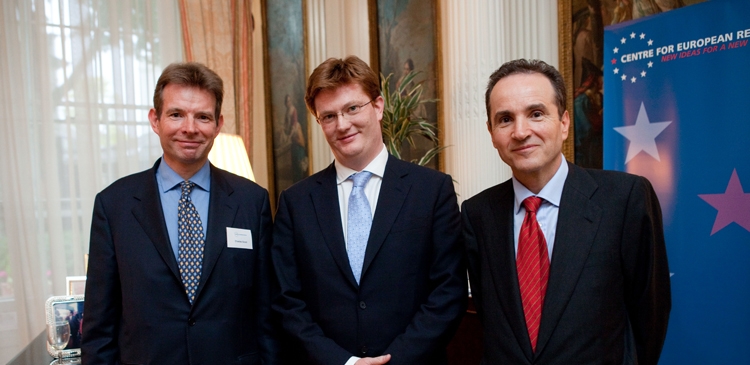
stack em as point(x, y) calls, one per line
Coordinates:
point(362, 305)
point(191, 322)
point(363, 350)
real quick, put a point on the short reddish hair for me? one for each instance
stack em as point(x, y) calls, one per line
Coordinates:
point(335, 72)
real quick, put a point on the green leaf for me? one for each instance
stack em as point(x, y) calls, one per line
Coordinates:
point(400, 123)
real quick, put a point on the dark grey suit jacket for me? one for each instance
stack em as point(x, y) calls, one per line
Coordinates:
point(608, 297)
point(412, 292)
point(136, 309)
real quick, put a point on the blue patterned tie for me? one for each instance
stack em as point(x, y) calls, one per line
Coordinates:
point(190, 237)
point(358, 223)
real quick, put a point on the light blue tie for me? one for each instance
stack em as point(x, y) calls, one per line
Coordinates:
point(191, 243)
point(358, 223)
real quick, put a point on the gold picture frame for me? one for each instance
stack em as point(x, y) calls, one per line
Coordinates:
point(565, 66)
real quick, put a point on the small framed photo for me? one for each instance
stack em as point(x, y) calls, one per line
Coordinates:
point(76, 285)
point(64, 323)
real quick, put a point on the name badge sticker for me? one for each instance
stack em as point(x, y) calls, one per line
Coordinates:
point(239, 238)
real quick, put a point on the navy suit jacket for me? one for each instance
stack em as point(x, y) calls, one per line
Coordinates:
point(608, 296)
point(413, 288)
point(136, 309)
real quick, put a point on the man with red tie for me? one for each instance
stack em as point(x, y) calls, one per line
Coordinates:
point(567, 265)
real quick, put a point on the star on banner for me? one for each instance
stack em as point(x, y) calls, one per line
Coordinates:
point(616, 50)
point(642, 36)
point(632, 35)
point(643, 73)
point(732, 206)
point(622, 40)
point(616, 70)
point(642, 135)
point(650, 64)
point(623, 77)
point(650, 42)
point(632, 80)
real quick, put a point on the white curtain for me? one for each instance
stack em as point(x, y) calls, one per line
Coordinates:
point(76, 84)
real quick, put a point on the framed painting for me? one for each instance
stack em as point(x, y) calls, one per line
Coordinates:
point(581, 35)
point(404, 37)
point(287, 126)
point(76, 285)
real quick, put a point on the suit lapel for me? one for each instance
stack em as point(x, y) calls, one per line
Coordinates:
point(499, 223)
point(149, 214)
point(326, 204)
point(577, 223)
point(393, 191)
point(221, 213)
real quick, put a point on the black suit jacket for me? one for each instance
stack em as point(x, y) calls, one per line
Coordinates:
point(608, 296)
point(413, 288)
point(136, 309)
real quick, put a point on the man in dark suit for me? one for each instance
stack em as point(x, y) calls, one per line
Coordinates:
point(371, 270)
point(567, 265)
point(197, 292)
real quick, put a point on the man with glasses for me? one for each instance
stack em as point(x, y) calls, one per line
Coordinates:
point(367, 251)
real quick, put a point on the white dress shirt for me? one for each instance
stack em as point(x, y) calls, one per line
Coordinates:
point(372, 189)
point(372, 192)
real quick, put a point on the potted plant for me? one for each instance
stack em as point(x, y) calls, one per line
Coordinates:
point(403, 117)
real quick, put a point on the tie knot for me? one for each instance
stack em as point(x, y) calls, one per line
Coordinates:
point(360, 178)
point(187, 187)
point(532, 203)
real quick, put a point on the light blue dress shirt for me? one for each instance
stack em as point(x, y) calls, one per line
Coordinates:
point(169, 191)
point(548, 211)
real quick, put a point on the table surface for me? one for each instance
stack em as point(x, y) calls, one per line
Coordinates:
point(35, 353)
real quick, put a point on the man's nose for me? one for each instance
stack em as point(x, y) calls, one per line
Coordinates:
point(342, 122)
point(521, 129)
point(190, 126)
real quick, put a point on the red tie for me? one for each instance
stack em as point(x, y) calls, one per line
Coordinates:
point(533, 268)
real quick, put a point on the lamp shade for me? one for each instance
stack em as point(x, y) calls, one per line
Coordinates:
point(229, 153)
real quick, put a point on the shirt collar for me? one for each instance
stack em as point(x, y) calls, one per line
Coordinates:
point(376, 167)
point(552, 192)
point(171, 179)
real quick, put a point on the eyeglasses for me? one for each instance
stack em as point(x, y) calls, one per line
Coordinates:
point(348, 113)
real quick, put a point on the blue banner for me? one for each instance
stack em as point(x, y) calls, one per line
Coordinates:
point(676, 102)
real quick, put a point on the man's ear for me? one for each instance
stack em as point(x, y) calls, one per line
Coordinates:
point(565, 120)
point(154, 120)
point(379, 105)
point(219, 123)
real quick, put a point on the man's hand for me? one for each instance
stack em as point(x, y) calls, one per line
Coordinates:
point(380, 360)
